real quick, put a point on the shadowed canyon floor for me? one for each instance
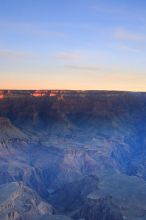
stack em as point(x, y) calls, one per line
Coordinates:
point(72, 155)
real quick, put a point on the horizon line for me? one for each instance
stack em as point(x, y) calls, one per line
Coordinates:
point(96, 90)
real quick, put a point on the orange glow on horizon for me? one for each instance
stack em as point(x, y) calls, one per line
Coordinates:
point(118, 82)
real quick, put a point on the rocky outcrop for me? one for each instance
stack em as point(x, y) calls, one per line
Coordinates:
point(10, 134)
point(20, 202)
point(99, 209)
point(72, 195)
point(52, 217)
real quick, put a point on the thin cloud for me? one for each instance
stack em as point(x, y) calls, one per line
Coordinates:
point(68, 56)
point(83, 68)
point(32, 29)
point(122, 34)
point(12, 55)
point(126, 48)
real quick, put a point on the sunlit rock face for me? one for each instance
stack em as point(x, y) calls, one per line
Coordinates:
point(1, 96)
point(81, 152)
point(40, 93)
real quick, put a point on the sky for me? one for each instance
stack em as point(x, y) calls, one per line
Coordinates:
point(73, 44)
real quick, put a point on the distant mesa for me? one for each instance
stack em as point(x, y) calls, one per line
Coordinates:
point(29, 93)
point(60, 94)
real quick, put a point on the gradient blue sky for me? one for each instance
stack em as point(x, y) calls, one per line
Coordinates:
point(73, 44)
